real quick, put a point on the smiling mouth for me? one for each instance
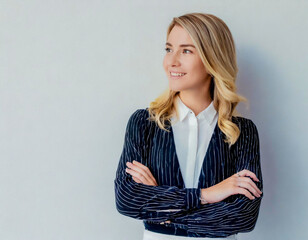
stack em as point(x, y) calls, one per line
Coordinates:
point(177, 75)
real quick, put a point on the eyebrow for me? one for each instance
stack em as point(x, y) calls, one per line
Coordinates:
point(182, 45)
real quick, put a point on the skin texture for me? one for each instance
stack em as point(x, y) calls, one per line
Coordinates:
point(194, 87)
point(141, 173)
point(194, 90)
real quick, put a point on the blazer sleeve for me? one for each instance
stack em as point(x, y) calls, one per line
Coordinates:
point(236, 213)
point(142, 201)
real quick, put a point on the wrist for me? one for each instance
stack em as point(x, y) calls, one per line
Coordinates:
point(203, 197)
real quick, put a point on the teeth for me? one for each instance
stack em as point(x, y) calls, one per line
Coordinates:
point(177, 74)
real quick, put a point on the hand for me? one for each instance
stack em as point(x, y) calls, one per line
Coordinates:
point(236, 184)
point(141, 173)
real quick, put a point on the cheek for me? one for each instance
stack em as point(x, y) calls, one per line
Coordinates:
point(199, 68)
point(165, 64)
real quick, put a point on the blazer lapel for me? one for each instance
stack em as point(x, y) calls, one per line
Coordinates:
point(219, 163)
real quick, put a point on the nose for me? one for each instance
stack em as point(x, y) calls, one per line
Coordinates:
point(174, 60)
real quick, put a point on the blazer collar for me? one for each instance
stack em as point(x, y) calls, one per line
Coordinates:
point(208, 114)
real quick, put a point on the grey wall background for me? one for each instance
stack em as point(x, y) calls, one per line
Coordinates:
point(71, 74)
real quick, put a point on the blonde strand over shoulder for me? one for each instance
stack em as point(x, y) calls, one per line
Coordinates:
point(226, 102)
point(161, 109)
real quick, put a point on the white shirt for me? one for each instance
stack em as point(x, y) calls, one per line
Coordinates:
point(192, 135)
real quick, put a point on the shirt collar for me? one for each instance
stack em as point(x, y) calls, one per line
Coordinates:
point(207, 114)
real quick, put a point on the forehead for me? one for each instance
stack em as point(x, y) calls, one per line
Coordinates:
point(179, 35)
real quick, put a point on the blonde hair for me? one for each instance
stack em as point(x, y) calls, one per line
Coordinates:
point(215, 45)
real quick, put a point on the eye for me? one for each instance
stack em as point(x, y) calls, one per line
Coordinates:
point(187, 50)
point(184, 50)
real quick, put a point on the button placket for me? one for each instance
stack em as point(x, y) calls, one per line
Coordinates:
point(192, 149)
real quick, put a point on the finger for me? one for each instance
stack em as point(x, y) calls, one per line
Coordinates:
point(246, 172)
point(137, 175)
point(137, 180)
point(146, 169)
point(141, 177)
point(140, 164)
point(146, 172)
point(244, 184)
point(156, 184)
point(252, 184)
point(245, 192)
point(248, 180)
point(140, 170)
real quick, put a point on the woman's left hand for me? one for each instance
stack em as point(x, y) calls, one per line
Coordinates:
point(140, 173)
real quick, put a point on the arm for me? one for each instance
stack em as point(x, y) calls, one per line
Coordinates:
point(236, 213)
point(141, 201)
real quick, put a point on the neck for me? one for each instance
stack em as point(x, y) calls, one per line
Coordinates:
point(195, 100)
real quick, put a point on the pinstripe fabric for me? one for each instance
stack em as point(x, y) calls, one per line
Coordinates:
point(146, 143)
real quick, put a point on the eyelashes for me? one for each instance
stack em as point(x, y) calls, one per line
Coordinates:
point(166, 49)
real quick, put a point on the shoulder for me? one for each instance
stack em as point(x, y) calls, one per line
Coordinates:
point(140, 114)
point(139, 118)
point(246, 125)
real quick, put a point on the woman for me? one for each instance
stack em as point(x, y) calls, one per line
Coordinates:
point(190, 168)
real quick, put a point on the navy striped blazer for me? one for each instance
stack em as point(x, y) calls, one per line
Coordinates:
point(171, 201)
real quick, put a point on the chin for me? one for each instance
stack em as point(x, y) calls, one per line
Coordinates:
point(176, 88)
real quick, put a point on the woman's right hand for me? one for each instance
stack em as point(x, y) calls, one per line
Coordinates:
point(236, 184)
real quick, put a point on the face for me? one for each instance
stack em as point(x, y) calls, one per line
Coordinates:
point(182, 63)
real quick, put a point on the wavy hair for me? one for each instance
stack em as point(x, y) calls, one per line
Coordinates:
point(215, 45)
